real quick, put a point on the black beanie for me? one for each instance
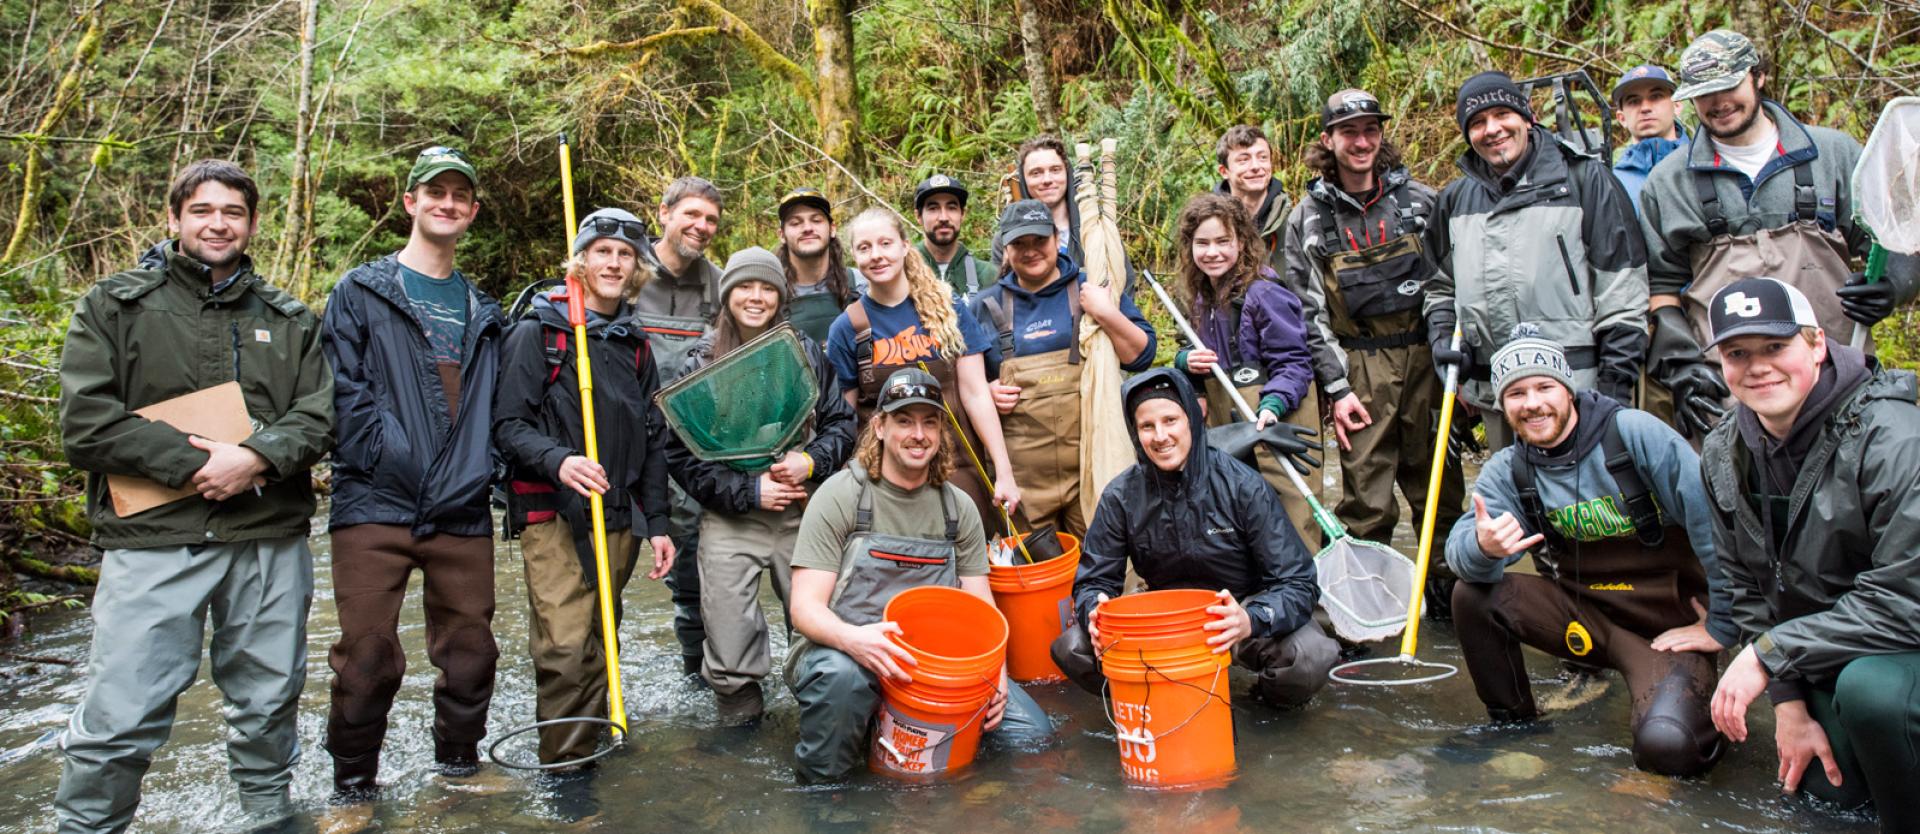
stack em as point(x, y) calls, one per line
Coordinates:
point(1161, 389)
point(1488, 90)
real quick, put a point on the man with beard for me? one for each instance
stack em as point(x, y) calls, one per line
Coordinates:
point(890, 521)
point(1756, 193)
point(1814, 486)
point(1609, 501)
point(1245, 160)
point(1534, 232)
point(1643, 106)
point(415, 349)
point(233, 550)
point(1354, 256)
point(940, 204)
point(676, 309)
point(819, 282)
point(1186, 516)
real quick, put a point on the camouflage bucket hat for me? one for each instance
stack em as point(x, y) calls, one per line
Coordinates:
point(1716, 61)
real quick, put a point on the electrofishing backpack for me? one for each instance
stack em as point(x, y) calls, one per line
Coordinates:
point(1569, 122)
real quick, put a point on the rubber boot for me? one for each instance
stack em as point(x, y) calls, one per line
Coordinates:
point(355, 778)
point(457, 760)
point(742, 708)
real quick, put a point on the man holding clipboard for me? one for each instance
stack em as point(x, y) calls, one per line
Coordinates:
point(234, 548)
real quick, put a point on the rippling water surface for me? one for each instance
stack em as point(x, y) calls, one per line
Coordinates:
point(1356, 759)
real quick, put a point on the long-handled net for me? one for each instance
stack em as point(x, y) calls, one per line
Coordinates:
point(1362, 583)
point(1406, 668)
point(1886, 188)
point(1105, 448)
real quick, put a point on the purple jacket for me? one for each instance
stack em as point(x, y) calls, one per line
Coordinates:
point(1272, 338)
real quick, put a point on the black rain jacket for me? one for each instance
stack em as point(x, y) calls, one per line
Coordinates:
point(399, 458)
point(537, 421)
point(1214, 524)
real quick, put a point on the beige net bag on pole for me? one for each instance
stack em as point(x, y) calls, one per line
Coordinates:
point(1105, 448)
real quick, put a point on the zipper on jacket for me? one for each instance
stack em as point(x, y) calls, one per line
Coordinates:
point(1573, 279)
point(236, 350)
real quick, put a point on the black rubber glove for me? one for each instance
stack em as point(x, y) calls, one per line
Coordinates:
point(1698, 394)
point(1294, 443)
point(1440, 338)
point(1866, 303)
point(1622, 351)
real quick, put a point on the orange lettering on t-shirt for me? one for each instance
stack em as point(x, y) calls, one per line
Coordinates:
point(903, 348)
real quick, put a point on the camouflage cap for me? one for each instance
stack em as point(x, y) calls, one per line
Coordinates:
point(437, 159)
point(1716, 61)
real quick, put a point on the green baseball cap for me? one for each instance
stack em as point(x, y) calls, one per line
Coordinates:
point(432, 161)
point(1716, 61)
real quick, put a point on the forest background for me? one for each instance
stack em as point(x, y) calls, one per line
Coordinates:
point(327, 103)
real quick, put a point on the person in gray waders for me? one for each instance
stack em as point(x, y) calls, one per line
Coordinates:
point(888, 522)
point(538, 427)
point(233, 551)
point(1756, 192)
point(1188, 516)
point(1608, 500)
point(1814, 487)
point(415, 349)
point(1355, 258)
point(674, 310)
point(940, 204)
point(750, 519)
point(1534, 231)
point(819, 283)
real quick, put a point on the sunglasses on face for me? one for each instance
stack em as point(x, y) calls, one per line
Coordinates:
point(608, 226)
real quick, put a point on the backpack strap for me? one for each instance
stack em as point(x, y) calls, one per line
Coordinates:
point(1709, 198)
point(948, 512)
point(1641, 509)
point(1073, 319)
point(999, 308)
point(555, 351)
point(863, 505)
point(1806, 201)
point(1319, 220)
point(973, 274)
point(862, 337)
point(1527, 486)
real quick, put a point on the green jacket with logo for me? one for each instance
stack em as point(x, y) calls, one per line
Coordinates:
point(148, 335)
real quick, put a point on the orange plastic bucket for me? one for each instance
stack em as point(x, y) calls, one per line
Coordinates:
point(931, 725)
point(1037, 600)
point(1167, 691)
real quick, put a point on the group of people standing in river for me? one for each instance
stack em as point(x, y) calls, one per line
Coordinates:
point(1704, 277)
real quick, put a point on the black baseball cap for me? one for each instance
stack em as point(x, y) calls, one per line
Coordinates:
point(806, 197)
point(938, 184)
point(909, 386)
point(1761, 306)
point(1025, 217)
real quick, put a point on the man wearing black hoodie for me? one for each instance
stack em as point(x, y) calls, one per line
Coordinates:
point(1186, 516)
point(537, 424)
point(1814, 485)
point(415, 349)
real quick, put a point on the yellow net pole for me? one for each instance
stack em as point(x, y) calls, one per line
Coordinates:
point(1410, 639)
point(583, 368)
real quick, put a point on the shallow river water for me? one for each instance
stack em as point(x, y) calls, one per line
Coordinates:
point(1356, 759)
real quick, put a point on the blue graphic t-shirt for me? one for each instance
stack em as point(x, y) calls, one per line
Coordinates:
point(441, 305)
point(1043, 321)
point(898, 339)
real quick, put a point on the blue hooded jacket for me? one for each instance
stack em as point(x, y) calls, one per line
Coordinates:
point(1637, 161)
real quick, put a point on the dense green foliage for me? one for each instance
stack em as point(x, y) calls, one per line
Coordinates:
point(942, 87)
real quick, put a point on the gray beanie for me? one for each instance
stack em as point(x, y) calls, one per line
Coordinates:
point(1529, 355)
point(753, 264)
point(615, 223)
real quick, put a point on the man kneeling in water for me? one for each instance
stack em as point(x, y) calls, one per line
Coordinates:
point(1598, 493)
point(1815, 488)
point(1187, 516)
point(888, 522)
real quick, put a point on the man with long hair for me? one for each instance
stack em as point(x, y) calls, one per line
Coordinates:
point(819, 282)
point(888, 522)
point(1355, 257)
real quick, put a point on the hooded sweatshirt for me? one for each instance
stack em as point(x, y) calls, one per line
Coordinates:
point(1212, 524)
point(1043, 322)
point(1583, 503)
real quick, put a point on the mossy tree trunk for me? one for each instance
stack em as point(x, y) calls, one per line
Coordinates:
point(64, 97)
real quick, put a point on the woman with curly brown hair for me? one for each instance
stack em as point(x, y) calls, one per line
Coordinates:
point(1252, 326)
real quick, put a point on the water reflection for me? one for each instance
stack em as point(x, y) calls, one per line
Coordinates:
point(1357, 759)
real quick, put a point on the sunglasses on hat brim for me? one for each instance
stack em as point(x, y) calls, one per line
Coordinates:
point(610, 226)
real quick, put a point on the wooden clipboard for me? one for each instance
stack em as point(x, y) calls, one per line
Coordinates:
point(217, 413)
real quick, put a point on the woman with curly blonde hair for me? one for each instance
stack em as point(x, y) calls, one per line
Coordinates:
point(907, 317)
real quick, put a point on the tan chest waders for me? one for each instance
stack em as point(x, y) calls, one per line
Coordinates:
point(1043, 430)
point(1801, 253)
